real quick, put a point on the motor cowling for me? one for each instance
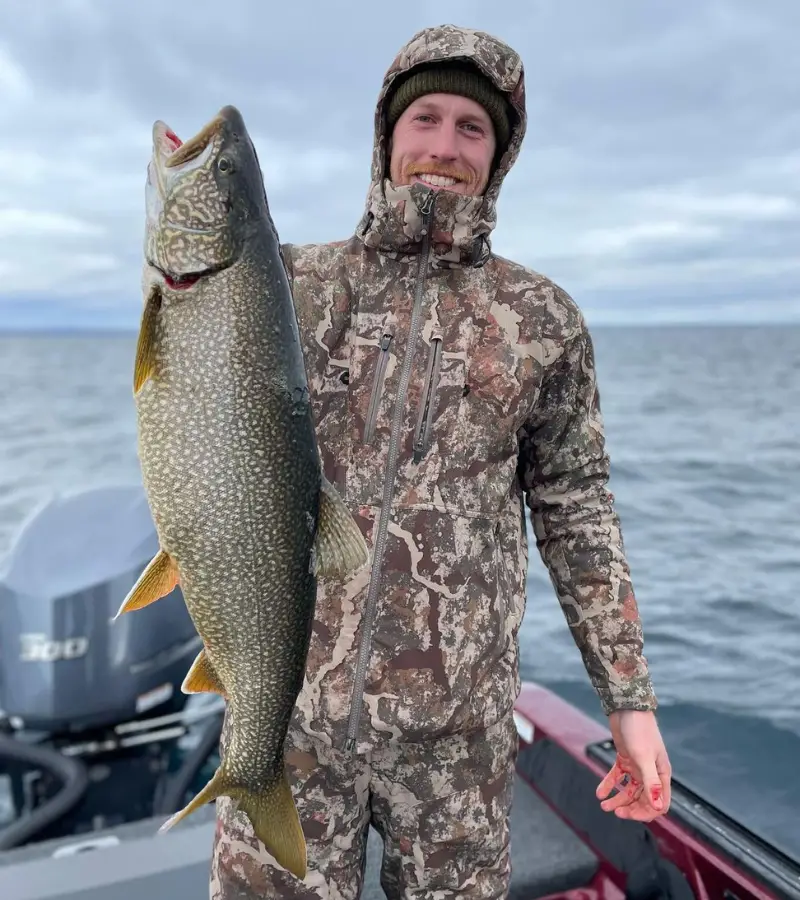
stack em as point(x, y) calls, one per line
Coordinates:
point(65, 665)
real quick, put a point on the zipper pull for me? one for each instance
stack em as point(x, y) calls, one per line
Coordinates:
point(385, 341)
point(427, 204)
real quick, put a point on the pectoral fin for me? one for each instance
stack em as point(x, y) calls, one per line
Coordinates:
point(202, 678)
point(145, 364)
point(158, 579)
point(340, 548)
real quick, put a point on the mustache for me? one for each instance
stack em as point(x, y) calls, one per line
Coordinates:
point(443, 169)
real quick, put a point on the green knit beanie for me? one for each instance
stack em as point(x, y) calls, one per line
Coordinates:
point(452, 78)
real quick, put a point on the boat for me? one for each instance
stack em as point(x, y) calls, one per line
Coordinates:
point(98, 745)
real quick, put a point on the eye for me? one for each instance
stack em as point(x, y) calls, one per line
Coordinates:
point(225, 164)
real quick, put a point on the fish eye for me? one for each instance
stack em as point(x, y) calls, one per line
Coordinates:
point(225, 164)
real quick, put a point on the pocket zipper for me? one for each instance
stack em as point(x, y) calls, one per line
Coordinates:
point(422, 434)
point(377, 387)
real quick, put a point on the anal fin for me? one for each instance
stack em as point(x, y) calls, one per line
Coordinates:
point(202, 677)
point(340, 548)
point(158, 579)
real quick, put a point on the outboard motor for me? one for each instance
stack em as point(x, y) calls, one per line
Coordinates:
point(94, 728)
point(65, 666)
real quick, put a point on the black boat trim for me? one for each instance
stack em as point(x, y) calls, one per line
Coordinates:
point(747, 850)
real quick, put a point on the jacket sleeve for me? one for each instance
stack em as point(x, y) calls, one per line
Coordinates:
point(564, 470)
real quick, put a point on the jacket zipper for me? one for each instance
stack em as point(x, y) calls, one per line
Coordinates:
point(365, 646)
point(377, 387)
point(422, 433)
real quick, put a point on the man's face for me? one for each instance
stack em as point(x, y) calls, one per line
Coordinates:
point(445, 141)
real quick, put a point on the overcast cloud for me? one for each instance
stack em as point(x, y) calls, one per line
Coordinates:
point(659, 181)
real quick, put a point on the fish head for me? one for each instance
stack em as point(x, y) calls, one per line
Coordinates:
point(203, 197)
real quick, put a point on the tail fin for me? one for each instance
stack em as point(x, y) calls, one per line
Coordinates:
point(277, 825)
point(272, 813)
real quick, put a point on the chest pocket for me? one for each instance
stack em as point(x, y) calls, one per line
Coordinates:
point(428, 404)
point(466, 413)
point(472, 398)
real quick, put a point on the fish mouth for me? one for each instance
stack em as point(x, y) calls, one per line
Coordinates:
point(181, 282)
point(185, 280)
point(171, 152)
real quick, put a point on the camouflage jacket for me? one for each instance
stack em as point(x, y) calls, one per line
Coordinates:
point(451, 385)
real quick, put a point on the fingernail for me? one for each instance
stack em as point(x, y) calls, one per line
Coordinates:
point(655, 793)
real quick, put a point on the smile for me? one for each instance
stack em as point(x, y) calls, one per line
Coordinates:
point(437, 180)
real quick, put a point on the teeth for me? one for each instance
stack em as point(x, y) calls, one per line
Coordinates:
point(438, 180)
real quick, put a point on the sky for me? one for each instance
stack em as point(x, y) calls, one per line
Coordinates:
point(659, 181)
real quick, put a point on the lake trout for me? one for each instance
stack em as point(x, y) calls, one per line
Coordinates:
point(245, 518)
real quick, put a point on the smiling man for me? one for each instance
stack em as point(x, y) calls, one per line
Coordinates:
point(446, 125)
point(451, 387)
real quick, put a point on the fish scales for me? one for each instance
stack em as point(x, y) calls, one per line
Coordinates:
point(236, 429)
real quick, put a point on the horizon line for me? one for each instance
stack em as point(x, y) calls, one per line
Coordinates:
point(122, 331)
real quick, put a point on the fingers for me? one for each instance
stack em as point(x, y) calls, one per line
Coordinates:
point(658, 792)
point(637, 813)
point(630, 791)
point(653, 788)
point(660, 795)
point(633, 802)
point(638, 798)
point(612, 777)
point(655, 796)
point(616, 776)
point(665, 780)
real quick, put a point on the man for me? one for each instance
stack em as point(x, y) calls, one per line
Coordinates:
point(450, 386)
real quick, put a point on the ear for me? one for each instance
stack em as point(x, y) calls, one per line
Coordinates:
point(387, 163)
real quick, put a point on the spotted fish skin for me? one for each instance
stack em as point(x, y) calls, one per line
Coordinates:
point(230, 466)
point(245, 518)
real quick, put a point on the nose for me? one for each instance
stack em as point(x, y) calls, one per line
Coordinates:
point(444, 143)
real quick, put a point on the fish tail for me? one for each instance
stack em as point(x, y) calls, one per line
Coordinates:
point(272, 813)
point(276, 824)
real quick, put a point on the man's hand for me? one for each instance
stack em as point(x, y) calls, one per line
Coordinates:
point(642, 771)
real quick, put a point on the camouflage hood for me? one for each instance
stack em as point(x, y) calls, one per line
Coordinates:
point(462, 225)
